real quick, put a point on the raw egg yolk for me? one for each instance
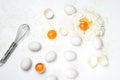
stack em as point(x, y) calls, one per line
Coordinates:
point(40, 67)
point(84, 24)
point(52, 34)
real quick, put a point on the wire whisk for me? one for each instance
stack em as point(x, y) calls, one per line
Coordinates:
point(22, 31)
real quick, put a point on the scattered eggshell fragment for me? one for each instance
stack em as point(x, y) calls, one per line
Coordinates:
point(26, 64)
point(48, 13)
point(63, 31)
point(70, 9)
point(34, 46)
point(76, 40)
point(51, 77)
point(70, 55)
point(50, 56)
point(71, 73)
point(97, 43)
point(92, 61)
point(102, 59)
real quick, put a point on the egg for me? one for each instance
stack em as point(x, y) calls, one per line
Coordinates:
point(51, 77)
point(97, 43)
point(26, 64)
point(50, 56)
point(34, 46)
point(48, 13)
point(70, 55)
point(71, 73)
point(63, 31)
point(102, 59)
point(70, 9)
point(76, 40)
point(92, 61)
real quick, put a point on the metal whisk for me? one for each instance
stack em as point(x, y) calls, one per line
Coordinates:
point(22, 30)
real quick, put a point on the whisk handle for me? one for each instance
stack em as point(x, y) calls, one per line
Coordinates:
point(8, 53)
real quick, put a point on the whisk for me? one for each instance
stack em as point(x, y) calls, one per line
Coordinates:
point(22, 31)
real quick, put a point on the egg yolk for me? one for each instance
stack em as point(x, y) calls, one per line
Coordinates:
point(85, 24)
point(40, 67)
point(52, 34)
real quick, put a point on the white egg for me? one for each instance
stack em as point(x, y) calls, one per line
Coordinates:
point(51, 77)
point(92, 61)
point(50, 56)
point(70, 55)
point(26, 64)
point(70, 9)
point(76, 40)
point(102, 59)
point(34, 46)
point(71, 73)
point(97, 43)
point(48, 13)
point(63, 31)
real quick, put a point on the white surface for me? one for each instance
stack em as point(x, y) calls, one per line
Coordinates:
point(16, 12)
point(51, 77)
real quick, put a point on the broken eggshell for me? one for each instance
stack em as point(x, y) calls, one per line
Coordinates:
point(48, 13)
point(102, 60)
point(92, 61)
point(63, 31)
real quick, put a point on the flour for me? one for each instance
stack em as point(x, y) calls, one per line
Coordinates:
point(96, 29)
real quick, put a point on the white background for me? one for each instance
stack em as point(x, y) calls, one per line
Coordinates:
point(16, 12)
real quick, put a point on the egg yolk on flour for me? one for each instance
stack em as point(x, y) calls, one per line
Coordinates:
point(85, 24)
